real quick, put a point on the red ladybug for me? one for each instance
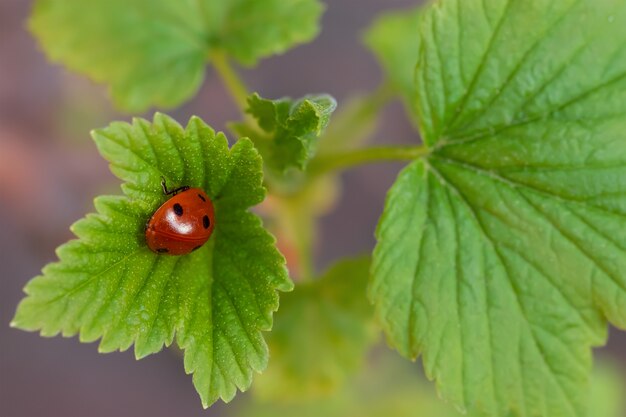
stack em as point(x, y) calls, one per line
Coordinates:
point(183, 223)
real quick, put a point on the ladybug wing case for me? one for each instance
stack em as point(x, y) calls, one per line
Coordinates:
point(182, 224)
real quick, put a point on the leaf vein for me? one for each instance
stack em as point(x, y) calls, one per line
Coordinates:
point(459, 108)
point(523, 60)
point(514, 290)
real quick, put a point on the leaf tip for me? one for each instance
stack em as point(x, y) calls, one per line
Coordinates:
point(244, 142)
point(140, 354)
point(96, 134)
point(137, 121)
point(287, 284)
point(105, 349)
point(195, 120)
point(253, 97)
point(160, 117)
point(205, 403)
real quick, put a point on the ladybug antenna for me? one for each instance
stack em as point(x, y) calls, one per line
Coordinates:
point(174, 191)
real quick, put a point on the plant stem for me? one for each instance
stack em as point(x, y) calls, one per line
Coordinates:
point(299, 220)
point(235, 86)
point(348, 159)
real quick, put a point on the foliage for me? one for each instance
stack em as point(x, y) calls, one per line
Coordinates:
point(321, 336)
point(398, 58)
point(388, 387)
point(500, 253)
point(153, 52)
point(290, 129)
point(215, 301)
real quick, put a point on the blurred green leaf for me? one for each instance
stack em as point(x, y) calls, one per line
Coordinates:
point(153, 52)
point(321, 335)
point(354, 122)
point(215, 301)
point(291, 128)
point(294, 219)
point(607, 390)
point(394, 39)
point(388, 387)
point(252, 29)
point(501, 254)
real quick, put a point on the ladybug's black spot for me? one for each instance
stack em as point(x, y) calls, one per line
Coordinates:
point(163, 250)
point(196, 248)
point(206, 222)
point(178, 209)
point(202, 198)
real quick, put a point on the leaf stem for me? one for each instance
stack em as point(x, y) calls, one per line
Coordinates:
point(233, 83)
point(348, 159)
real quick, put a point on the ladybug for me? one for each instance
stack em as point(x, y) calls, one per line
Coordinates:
point(183, 223)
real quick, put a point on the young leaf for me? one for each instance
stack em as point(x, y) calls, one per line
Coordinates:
point(215, 301)
point(501, 255)
point(153, 52)
point(395, 41)
point(321, 335)
point(292, 128)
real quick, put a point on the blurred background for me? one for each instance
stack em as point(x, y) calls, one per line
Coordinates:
point(50, 171)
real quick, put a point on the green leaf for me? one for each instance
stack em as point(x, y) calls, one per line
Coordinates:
point(214, 301)
point(607, 390)
point(153, 52)
point(395, 41)
point(321, 335)
point(293, 220)
point(252, 29)
point(385, 387)
point(292, 128)
point(355, 123)
point(501, 254)
point(388, 387)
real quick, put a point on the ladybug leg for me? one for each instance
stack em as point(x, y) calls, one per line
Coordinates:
point(174, 191)
point(164, 186)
